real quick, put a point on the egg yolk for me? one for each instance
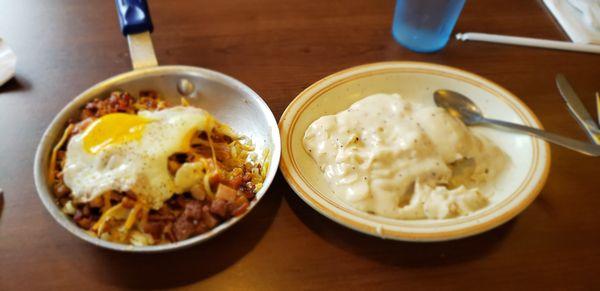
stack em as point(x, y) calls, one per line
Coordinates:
point(114, 128)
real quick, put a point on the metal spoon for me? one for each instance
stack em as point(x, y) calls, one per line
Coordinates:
point(465, 109)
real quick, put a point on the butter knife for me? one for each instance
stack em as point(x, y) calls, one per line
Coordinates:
point(577, 109)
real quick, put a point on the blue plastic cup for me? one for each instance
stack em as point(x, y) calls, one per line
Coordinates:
point(425, 25)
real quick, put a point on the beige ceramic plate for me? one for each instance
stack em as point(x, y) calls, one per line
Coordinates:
point(514, 190)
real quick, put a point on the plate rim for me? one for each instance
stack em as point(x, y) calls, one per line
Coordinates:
point(527, 196)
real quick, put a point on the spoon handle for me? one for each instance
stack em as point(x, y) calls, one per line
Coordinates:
point(573, 144)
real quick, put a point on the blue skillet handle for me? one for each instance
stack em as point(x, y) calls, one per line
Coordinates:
point(134, 16)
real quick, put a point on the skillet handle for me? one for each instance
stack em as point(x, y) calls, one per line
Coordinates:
point(136, 25)
point(134, 16)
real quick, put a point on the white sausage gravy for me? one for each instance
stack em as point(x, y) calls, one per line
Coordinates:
point(398, 159)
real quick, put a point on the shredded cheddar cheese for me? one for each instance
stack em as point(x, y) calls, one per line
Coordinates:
point(184, 102)
point(107, 204)
point(144, 219)
point(206, 182)
point(106, 216)
point(132, 217)
point(61, 142)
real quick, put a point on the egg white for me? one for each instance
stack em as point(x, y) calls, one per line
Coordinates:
point(140, 165)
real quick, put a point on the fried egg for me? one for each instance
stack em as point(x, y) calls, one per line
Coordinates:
point(128, 152)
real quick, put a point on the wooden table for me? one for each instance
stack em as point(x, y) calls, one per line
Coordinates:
point(278, 48)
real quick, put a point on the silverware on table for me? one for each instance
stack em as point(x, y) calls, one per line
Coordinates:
point(465, 109)
point(577, 109)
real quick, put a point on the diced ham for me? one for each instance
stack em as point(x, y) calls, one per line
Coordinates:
point(82, 219)
point(238, 206)
point(240, 210)
point(155, 228)
point(226, 193)
point(82, 125)
point(193, 210)
point(183, 228)
point(61, 190)
point(198, 192)
point(161, 217)
point(208, 218)
point(236, 182)
point(190, 222)
point(97, 202)
point(219, 207)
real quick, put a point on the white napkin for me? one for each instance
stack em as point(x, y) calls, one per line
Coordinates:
point(8, 62)
point(579, 18)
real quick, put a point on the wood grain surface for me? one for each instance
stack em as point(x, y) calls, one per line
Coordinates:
point(278, 48)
